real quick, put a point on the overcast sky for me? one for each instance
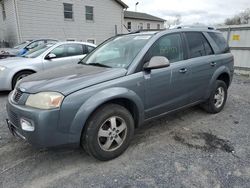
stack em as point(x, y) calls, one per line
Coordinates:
point(192, 11)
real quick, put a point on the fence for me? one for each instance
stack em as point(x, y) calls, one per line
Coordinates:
point(4, 44)
point(238, 38)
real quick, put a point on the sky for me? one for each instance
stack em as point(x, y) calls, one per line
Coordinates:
point(209, 12)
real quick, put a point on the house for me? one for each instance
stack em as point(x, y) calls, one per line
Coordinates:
point(88, 20)
point(142, 21)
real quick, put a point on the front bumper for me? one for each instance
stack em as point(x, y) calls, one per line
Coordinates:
point(46, 133)
point(5, 81)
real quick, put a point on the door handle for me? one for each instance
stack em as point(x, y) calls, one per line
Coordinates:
point(184, 70)
point(213, 64)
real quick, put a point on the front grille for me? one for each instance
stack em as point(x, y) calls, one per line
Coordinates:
point(13, 118)
point(17, 95)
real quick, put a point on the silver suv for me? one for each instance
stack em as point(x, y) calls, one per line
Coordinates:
point(123, 83)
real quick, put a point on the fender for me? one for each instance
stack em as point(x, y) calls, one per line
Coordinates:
point(217, 73)
point(89, 106)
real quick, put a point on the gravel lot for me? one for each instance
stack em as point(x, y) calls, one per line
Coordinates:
point(187, 149)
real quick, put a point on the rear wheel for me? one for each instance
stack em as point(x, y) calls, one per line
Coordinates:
point(108, 132)
point(19, 76)
point(217, 99)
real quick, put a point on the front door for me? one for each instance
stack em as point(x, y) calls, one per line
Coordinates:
point(66, 54)
point(166, 88)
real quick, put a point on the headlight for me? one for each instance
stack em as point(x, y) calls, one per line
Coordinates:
point(2, 68)
point(45, 100)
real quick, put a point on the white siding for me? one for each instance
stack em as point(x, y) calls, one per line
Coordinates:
point(9, 26)
point(45, 19)
point(1, 24)
point(136, 22)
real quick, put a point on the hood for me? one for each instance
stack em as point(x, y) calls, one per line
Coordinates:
point(14, 61)
point(68, 79)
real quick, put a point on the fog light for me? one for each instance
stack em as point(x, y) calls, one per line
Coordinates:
point(26, 125)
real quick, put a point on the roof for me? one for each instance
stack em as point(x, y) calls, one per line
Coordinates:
point(122, 3)
point(142, 16)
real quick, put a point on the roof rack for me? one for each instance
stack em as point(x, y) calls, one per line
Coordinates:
point(194, 26)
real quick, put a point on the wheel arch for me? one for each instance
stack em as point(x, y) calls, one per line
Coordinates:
point(122, 96)
point(222, 73)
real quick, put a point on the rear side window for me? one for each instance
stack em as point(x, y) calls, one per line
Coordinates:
point(90, 48)
point(220, 41)
point(198, 45)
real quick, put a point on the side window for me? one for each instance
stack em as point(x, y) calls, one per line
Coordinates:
point(220, 41)
point(59, 51)
point(74, 49)
point(169, 46)
point(198, 45)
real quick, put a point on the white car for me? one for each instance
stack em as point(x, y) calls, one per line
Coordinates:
point(50, 56)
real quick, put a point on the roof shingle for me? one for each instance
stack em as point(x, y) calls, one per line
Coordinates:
point(122, 3)
point(142, 16)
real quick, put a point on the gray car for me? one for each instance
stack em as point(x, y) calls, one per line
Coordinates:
point(41, 58)
point(123, 83)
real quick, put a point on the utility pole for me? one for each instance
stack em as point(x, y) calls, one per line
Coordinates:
point(136, 6)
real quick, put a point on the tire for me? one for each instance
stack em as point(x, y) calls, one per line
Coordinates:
point(97, 134)
point(20, 76)
point(213, 105)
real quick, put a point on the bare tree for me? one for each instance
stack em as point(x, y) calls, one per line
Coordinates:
point(241, 18)
point(174, 22)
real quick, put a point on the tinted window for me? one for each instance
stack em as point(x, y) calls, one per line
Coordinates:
point(220, 41)
point(198, 45)
point(169, 46)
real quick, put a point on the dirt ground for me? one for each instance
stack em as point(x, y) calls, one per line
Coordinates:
point(187, 149)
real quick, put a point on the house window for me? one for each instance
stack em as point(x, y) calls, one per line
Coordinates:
point(89, 13)
point(91, 41)
point(140, 26)
point(158, 26)
point(3, 10)
point(68, 11)
point(148, 25)
point(129, 26)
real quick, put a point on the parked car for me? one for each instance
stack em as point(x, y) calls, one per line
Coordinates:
point(24, 47)
point(98, 103)
point(44, 57)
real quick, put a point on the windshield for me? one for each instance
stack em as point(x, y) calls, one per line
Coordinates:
point(118, 52)
point(36, 53)
point(22, 45)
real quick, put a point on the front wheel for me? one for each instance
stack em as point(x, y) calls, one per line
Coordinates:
point(217, 99)
point(19, 76)
point(108, 132)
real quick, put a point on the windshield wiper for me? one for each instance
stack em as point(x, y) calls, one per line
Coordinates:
point(95, 64)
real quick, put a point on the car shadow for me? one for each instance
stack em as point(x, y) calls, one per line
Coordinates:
point(4, 93)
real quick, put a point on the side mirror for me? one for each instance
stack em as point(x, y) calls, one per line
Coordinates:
point(157, 62)
point(50, 56)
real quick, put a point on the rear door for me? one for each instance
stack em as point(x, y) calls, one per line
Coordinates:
point(201, 64)
point(77, 52)
point(61, 58)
